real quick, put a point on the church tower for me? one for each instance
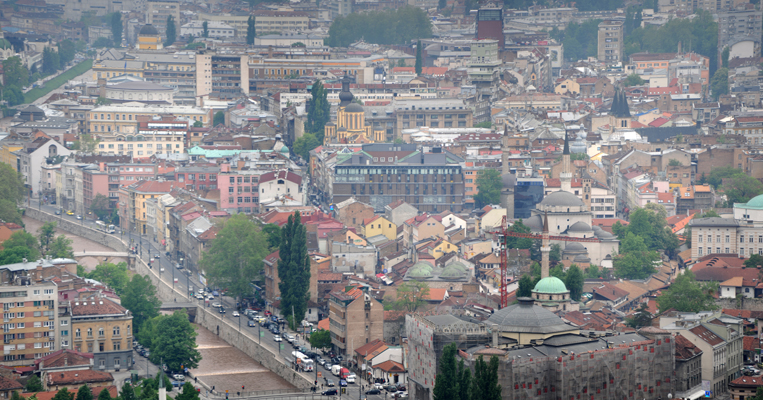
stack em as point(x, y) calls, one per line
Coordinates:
point(566, 175)
point(545, 248)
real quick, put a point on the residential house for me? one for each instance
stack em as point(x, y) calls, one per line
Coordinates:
point(379, 225)
point(352, 213)
point(356, 318)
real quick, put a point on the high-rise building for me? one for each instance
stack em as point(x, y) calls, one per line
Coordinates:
point(738, 25)
point(611, 41)
point(490, 24)
point(157, 12)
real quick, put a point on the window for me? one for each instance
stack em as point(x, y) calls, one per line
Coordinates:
point(116, 330)
point(77, 333)
point(90, 332)
point(100, 331)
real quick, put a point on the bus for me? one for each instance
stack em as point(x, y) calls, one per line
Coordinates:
point(101, 226)
point(303, 360)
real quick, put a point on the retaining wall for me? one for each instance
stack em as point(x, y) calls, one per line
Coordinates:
point(204, 316)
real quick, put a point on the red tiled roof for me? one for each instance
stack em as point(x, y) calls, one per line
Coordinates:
point(706, 335)
point(50, 394)
point(369, 347)
point(685, 349)
point(391, 367)
point(287, 175)
point(9, 384)
point(750, 343)
point(78, 377)
point(97, 306)
point(62, 358)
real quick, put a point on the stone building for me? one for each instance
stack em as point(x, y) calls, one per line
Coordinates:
point(355, 318)
point(104, 328)
point(352, 213)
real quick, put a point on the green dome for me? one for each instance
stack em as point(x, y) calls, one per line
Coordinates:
point(458, 265)
point(420, 270)
point(452, 271)
point(755, 202)
point(550, 285)
point(285, 150)
point(5, 44)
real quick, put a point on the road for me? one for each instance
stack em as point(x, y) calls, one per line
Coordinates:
point(147, 249)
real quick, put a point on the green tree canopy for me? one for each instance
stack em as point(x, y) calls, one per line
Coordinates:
point(139, 297)
point(189, 392)
point(294, 269)
point(642, 317)
point(485, 386)
point(635, 260)
point(171, 31)
point(205, 30)
point(688, 295)
point(398, 26)
point(251, 30)
point(320, 339)
point(526, 284)
point(411, 296)
point(127, 393)
point(719, 83)
point(15, 73)
point(24, 240)
point(753, 261)
point(218, 119)
point(61, 247)
point(305, 144)
point(489, 185)
point(651, 227)
point(104, 395)
point(64, 394)
point(45, 235)
point(234, 258)
point(112, 275)
point(318, 112)
point(574, 281)
point(33, 384)
point(84, 393)
point(576, 35)
point(633, 80)
point(101, 207)
point(116, 28)
point(418, 66)
point(174, 342)
point(517, 242)
point(274, 236)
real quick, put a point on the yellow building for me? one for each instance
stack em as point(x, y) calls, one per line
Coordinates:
point(351, 125)
point(379, 225)
point(149, 38)
point(104, 328)
point(123, 118)
point(166, 136)
point(6, 152)
point(442, 248)
point(568, 85)
point(132, 202)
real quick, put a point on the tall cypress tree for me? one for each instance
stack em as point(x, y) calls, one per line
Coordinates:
point(116, 28)
point(485, 385)
point(251, 30)
point(205, 29)
point(446, 382)
point(318, 110)
point(294, 270)
point(418, 58)
point(171, 34)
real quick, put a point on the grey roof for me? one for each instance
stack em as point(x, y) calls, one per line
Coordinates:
point(714, 221)
point(148, 29)
point(574, 246)
point(535, 223)
point(579, 226)
point(139, 85)
point(354, 108)
point(444, 320)
point(562, 198)
point(526, 317)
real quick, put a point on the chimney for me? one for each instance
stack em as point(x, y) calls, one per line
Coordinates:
point(38, 272)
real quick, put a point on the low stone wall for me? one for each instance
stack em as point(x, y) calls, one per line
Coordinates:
point(743, 304)
point(205, 317)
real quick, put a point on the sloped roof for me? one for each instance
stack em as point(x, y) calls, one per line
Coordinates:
point(685, 349)
point(706, 335)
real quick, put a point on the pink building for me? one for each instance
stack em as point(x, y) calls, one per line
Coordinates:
point(239, 189)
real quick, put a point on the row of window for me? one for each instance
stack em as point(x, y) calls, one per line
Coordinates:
point(718, 238)
point(78, 333)
point(244, 199)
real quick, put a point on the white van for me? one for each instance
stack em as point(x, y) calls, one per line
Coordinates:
point(336, 369)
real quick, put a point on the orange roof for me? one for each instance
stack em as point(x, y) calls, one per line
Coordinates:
point(323, 324)
point(391, 366)
point(50, 394)
point(681, 224)
point(436, 294)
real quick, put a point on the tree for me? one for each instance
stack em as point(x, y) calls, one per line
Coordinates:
point(303, 145)
point(688, 295)
point(13, 95)
point(725, 57)
point(399, 26)
point(116, 28)
point(642, 317)
point(419, 63)
point(298, 44)
point(575, 34)
point(489, 185)
point(61, 247)
point(174, 342)
point(66, 51)
point(205, 30)
point(719, 84)
point(171, 34)
point(446, 381)
point(486, 125)
point(651, 227)
point(104, 395)
point(465, 386)
point(127, 393)
point(101, 207)
point(516, 242)
point(112, 275)
point(15, 73)
point(486, 385)
point(234, 257)
point(441, 4)
point(635, 261)
point(198, 124)
point(674, 163)
point(294, 269)
point(22, 239)
point(633, 80)
point(526, 285)
point(102, 101)
point(219, 119)
point(320, 339)
point(102, 42)
point(318, 111)
point(251, 30)
point(139, 297)
point(753, 261)
point(574, 282)
point(274, 236)
point(64, 394)
point(45, 236)
point(17, 396)
point(189, 392)
point(16, 255)
point(33, 384)
point(87, 143)
point(84, 393)
point(411, 296)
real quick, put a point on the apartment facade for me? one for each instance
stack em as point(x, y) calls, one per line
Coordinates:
point(132, 202)
point(611, 35)
point(121, 121)
point(434, 113)
point(355, 318)
point(30, 316)
point(222, 76)
point(104, 328)
point(157, 13)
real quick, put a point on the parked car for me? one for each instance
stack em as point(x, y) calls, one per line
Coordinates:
point(250, 323)
point(321, 361)
point(178, 377)
point(216, 305)
point(401, 387)
point(177, 384)
point(350, 378)
point(390, 388)
point(373, 391)
point(58, 212)
point(198, 296)
point(222, 310)
point(70, 212)
point(277, 338)
point(79, 216)
point(401, 395)
point(156, 256)
point(290, 338)
point(330, 392)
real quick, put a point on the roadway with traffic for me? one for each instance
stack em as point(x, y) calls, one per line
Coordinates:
point(186, 280)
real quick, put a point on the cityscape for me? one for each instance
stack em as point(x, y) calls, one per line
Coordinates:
point(381, 199)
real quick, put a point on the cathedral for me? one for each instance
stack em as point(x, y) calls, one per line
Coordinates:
point(351, 126)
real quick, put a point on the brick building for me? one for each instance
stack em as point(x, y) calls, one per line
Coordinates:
point(355, 318)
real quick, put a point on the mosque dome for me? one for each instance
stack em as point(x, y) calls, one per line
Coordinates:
point(148, 30)
point(550, 285)
point(755, 202)
point(562, 198)
point(574, 246)
point(5, 44)
point(526, 317)
point(452, 272)
point(579, 226)
point(535, 223)
point(420, 270)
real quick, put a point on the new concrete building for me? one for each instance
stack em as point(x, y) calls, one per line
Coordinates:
point(611, 34)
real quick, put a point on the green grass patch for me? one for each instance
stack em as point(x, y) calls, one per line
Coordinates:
point(56, 82)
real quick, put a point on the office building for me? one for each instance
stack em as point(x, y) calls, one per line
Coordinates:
point(222, 76)
point(611, 34)
point(739, 25)
point(104, 328)
point(490, 24)
point(383, 173)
